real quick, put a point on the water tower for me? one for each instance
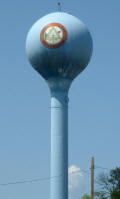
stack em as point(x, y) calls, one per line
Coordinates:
point(59, 47)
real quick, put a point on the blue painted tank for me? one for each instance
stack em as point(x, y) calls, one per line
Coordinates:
point(66, 60)
point(59, 47)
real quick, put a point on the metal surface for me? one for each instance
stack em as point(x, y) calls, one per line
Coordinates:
point(68, 60)
point(59, 65)
point(59, 138)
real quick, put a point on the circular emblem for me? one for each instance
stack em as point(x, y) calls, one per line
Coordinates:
point(53, 35)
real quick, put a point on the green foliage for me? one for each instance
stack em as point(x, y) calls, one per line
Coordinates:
point(97, 195)
point(110, 184)
point(115, 195)
point(86, 196)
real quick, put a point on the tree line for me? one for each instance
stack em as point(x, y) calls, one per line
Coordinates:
point(109, 185)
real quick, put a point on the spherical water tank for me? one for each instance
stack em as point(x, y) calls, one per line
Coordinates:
point(59, 45)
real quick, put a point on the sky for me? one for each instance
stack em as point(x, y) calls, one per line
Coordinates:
point(94, 106)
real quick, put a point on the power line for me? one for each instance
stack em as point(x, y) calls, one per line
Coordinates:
point(28, 181)
point(99, 167)
point(49, 178)
point(38, 179)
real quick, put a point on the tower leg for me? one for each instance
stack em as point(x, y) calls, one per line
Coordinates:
point(59, 147)
point(59, 139)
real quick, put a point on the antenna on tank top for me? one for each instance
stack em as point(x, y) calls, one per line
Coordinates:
point(59, 6)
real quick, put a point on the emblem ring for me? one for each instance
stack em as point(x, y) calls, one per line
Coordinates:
point(54, 26)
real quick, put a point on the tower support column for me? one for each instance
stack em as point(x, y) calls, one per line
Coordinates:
point(59, 140)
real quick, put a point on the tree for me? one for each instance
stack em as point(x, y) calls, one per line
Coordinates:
point(115, 195)
point(97, 195)
point(86, 196)
point(110, 184)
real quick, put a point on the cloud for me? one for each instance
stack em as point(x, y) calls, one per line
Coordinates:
point(75, 181)
point(75, 177)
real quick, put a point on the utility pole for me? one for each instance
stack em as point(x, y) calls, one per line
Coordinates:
point(92, 178)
